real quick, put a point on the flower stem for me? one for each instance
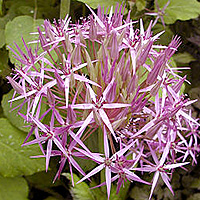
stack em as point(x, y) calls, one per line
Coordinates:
point(64, 8)
point(101, 150)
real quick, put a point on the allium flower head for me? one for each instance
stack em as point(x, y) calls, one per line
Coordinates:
point(108, 78)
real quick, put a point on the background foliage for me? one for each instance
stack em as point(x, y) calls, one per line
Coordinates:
point(22, 177)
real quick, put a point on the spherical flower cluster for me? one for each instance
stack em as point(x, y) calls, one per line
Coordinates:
point(102, 76)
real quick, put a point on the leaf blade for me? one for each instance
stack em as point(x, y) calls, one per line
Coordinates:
point(15, 160)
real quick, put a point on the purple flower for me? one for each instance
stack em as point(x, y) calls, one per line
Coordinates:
point(111, 80)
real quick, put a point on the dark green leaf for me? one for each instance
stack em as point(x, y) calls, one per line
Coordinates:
point(15, 7)
point(1, 112)
point(139, 193)
point(122, 193)
point(194, 197)
point(4, 67)
point(15, 188)
point(166, 37)
point(1, 3)
point(194, 94)
point(88, 164)
point(43, 180)
point(80, 191)
point(15, 160)
point(51, 198)
point(40, 9)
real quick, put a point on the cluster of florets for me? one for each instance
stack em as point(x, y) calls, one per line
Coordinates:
point(102, 76)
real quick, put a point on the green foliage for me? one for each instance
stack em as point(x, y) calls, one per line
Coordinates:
point(15, 160)
point(94, 4)
point(1, 112)
point(51, 198)
point(4, 67)
point(12, 116)
point(20, 27)
point(183, 58)
point(166, 37)
point(94, 148)
point(13, 188)
point(80, 191)
point(3, 22)
point(194, 197)
point(139, 193)
point(1, 2)
point(180, 10)
point(123, 193)
point(2, 38)
point(140, 4)
point(43, 180)
point(64, 8)
point(38, 9)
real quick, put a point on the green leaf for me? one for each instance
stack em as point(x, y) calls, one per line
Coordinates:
point(85, 164)
point(13, 116)
point(180, 10)
point(94, 4)
point(15, 188)
point(19, 27)
point(195, 196)
point(2, 38)
point(25, 10)
point(194, 94)
point(139, 193)
point(15, 8)
point(64, 8)
point(140, 4)
point(1, 112)
point(166, 37)
point(183, 58)
point(4, 67)
point(122, 195)
point(48, 9)
point(15, 160)
point(80, 191)
point(3, 21)
point(51, 198)
point(43, 180)
point(1, 3)
point(40, 9)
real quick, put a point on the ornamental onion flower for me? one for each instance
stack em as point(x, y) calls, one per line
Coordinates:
point(111, 79)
